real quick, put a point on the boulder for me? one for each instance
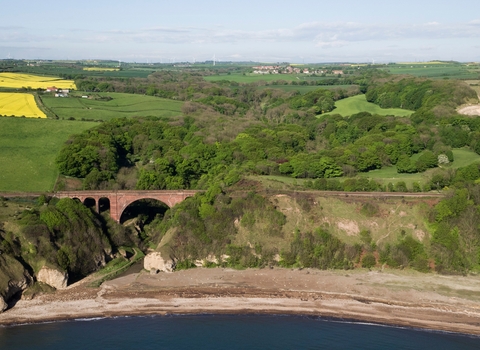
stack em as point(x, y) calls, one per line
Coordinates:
point(55, 278)
point(155, 261)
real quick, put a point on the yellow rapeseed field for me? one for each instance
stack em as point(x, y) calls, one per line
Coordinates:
point(102, 69)
point(19, 105)
point(19, 80)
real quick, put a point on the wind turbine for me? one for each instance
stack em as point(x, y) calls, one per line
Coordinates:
point(213, 59)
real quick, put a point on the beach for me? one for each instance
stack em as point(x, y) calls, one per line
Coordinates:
point(394, 297)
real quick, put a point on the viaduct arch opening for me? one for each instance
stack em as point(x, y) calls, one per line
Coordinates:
point(90, 203)
point(147, 209)
point(103, 205)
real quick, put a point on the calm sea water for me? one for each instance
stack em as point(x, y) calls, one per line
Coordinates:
point(225, 332)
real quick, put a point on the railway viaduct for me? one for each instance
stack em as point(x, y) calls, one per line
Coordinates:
point(119, 200)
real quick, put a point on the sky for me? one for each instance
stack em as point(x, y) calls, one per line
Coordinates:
point(302, 31)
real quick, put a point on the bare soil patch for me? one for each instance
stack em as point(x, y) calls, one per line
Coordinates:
point(470, 110)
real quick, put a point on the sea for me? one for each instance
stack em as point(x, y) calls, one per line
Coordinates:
point(226, 332)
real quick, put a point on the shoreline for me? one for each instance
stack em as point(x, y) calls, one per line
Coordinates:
point(333, 319)
point(393, 298)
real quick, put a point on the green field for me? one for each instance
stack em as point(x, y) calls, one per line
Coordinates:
point(28, 148)
point(389, 174)
point(435, 70)
point(121, 105)
point(72, 70)
point(462, 157)
point(357, 104)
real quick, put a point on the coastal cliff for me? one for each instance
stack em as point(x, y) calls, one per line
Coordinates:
point(13, 279)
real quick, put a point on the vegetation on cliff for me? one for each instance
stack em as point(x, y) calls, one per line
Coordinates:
point(231, 132)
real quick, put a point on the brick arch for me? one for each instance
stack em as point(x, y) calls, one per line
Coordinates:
point(119, 200)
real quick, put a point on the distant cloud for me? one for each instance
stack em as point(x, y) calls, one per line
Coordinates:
point(319, 39)
point(320, 34)
point(14, 34)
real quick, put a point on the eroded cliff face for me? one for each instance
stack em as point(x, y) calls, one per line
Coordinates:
point(53, 277)
point(13, 279)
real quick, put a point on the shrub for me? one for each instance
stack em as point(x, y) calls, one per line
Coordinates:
point(369, 261)
point(370, 209)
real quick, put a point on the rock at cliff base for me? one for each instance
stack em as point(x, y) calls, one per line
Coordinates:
point(14, 279)
point(155, 261)
point(53, 277)
point(3, 304)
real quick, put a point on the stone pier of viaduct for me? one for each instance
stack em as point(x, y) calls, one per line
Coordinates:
point(119, 200)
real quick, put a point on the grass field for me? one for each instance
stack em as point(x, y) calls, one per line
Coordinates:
point(57, 70)
point(475, 85)
point(357, 104)
point(22, 80)
point(389, 174)
point(19, 105)
point(121, 105)
point(28, 148)
point(462, 158)
point(434, 70)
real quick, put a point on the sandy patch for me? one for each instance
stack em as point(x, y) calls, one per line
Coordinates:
point(420, 235)
point(470, 110)
point(349, 226)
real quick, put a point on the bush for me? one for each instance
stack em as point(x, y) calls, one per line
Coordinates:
point(369, 261)
point(370, 209)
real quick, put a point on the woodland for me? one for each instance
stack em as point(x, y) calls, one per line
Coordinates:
point(229, 136)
